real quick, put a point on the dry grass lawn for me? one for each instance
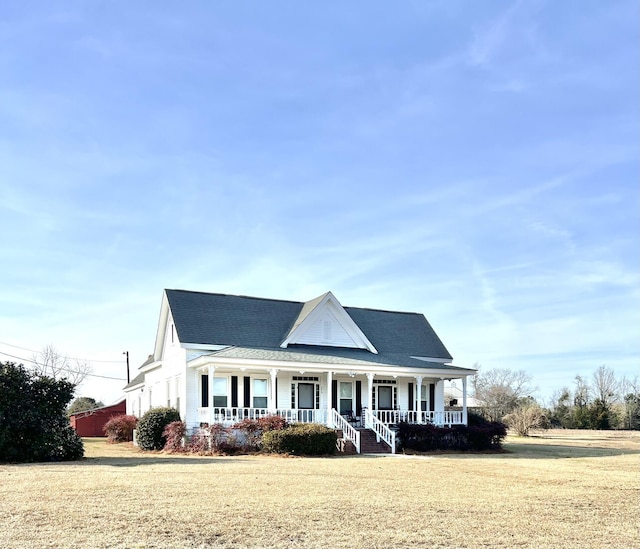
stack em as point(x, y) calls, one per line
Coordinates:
point(557, 489)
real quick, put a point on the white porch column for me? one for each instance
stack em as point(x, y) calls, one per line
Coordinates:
point(418, 397)
point(329, 399)
point(369, 391)
point(439, 398)
point(464, 400)
point(273, 405)
point(210, 371)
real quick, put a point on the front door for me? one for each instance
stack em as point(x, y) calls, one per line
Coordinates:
point(306, 401)
point(306, 396)
point(385, 397)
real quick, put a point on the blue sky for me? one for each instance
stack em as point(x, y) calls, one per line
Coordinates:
point(473, 161)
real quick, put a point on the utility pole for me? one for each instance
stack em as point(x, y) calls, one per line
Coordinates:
point(127, 353)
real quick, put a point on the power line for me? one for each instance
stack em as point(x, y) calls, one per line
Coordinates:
point(61, 367)
point(81, 359)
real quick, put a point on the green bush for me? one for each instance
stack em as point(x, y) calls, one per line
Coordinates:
point(308, 439)
point(33, 421)
point(150, 429)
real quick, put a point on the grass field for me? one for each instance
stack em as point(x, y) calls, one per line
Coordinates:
point(558, 489)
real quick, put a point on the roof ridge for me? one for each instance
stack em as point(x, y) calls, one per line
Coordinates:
point(219, 294)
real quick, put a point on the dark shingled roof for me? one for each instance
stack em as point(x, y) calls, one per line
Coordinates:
point(220, 319)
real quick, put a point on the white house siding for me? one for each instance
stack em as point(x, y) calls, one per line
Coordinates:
point(192, 396)
point(326, 331)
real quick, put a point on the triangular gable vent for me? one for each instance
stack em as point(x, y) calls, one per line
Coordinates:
point(323, 321)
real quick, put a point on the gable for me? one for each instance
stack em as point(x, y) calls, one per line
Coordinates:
point(323, 321)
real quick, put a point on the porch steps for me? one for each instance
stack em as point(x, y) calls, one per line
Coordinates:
point(368, 444)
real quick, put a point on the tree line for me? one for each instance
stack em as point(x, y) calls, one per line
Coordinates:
point(603, 401)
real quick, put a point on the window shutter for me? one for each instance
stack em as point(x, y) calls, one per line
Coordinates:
point(411, 399)
point(204, 392)
point(234, 391)
point(358, 397)
point(334, 394)
point(432, 396)
point(247, 392)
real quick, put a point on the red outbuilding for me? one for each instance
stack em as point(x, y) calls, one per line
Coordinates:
point(90, 423)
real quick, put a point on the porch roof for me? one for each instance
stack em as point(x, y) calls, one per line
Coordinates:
point(331, 355)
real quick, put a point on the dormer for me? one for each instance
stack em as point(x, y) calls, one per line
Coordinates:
point(324, 322)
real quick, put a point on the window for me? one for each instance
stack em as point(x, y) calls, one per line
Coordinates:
point(423, 398)
point(346, 397)
point(220, 392)
point(168, 393)
point(259, 393)
point(178, 393)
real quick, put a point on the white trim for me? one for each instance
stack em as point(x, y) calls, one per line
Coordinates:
point(203, 347)
point(134, 387)
point(151, 366)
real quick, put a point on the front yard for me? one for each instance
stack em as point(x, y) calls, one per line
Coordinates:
point(561, 489)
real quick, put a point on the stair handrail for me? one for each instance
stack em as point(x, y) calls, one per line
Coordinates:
point(380, 429)
point(348, 431)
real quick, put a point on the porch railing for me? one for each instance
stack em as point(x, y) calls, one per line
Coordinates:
point(230, 415)
point(447, 417)
point(380, 429)
point(348, 431)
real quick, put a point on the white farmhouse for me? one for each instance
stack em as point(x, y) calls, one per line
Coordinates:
point(221, 358)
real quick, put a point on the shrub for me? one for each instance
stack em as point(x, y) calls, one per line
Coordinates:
point(150, 429)
point(525, 418)
point(482, 435)
point(252, 430)
point(302, 439)
point(222, 440)
point(33, 422)
point(174, 433)
point(120, 428)
point(198, 443)
point(251, 433)
point(272, 423)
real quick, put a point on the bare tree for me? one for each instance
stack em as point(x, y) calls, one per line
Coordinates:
point(500, 390)
point(51, 363)
point(605, 386)
point(526, 417)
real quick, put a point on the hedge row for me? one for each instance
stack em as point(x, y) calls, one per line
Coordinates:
point(478, 436)
point(308, 439)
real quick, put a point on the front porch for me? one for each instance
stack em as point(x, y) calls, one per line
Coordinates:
point(380, 423)
point(343, 399)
